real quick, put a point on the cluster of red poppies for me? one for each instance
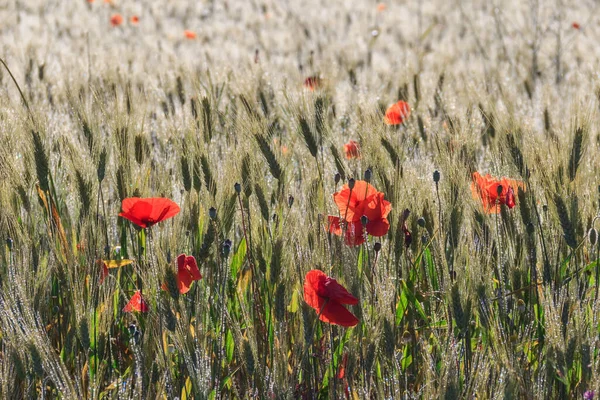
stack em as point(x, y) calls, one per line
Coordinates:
point(145, 212)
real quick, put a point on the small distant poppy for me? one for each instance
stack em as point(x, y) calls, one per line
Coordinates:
point(576, 25)
point(486, 189)
point(362, 200)
point(397, 113)
point(328, 297)
point(381, 7)
point(352, 150)
point(187, 272)
point(116, 19)
point(145, 212)
point(189, 34)
point(136, 303)
point(134, 20)
point(312, 83)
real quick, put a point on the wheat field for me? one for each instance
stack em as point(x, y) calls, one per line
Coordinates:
point(215, 199)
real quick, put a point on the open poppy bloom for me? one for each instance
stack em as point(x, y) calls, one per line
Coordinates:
point(352, 150)
point(145, 212)
point(397, 113)
point(187, 272)
point(486, 189)
point(327, 297)
point(312, 83)
point(137, 303)
point(365, 200)
point(189, 34)
point(116, 19)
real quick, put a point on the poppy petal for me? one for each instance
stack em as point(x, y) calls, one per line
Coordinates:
point(335, 313)
point(378, 227)
point(334, 225)
point(338, 293)
point(354, 234)
point(136, 303)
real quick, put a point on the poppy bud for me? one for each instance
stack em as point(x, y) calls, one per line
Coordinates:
point(337, 177)
point(421, 222)
point(406, 337)
point(545, 208)
point(212, 213)
point(226, 248)
point(593, 235)
point(521, 305)
point(368, 175)
point(377, 247)
point(107, 250)
point(530, 228)
point(364, 220)
point(238, 188)
point(9, 243)
point(351, 183)
point(169, 256)
point(436, 176)
point(290, 201)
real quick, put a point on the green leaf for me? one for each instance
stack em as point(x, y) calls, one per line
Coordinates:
point(229, 346)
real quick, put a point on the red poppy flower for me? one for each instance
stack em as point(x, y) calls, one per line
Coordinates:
point(137, 303)
point(189, 34)
point(485, 188)
point(576, 25)
point(352, 150)
point(381, 7)
point(397, 113)
point(145, 212)
point(327, 297)
point(116, 19)
point(312, 83)
point(365, 200)
point(134, 20)
point(187, 272)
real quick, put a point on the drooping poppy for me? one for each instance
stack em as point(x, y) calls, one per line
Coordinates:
point(362, 200)
point(136, 303)
point(145, 212)
point(485, 188)
point(187, 272)
point(328, 297)
point(312, 83)
point(352, 150)
point(397, 113)
point(116, 19)
point(189, 34)
point(134, 20)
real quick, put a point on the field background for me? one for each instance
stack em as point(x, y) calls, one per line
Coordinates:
point(477, 306)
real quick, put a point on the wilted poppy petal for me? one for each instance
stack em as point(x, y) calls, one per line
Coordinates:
point(187, 272)
point(137, 303)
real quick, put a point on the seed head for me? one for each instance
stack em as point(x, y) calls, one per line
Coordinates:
point(237, 187)
point(351, 183)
